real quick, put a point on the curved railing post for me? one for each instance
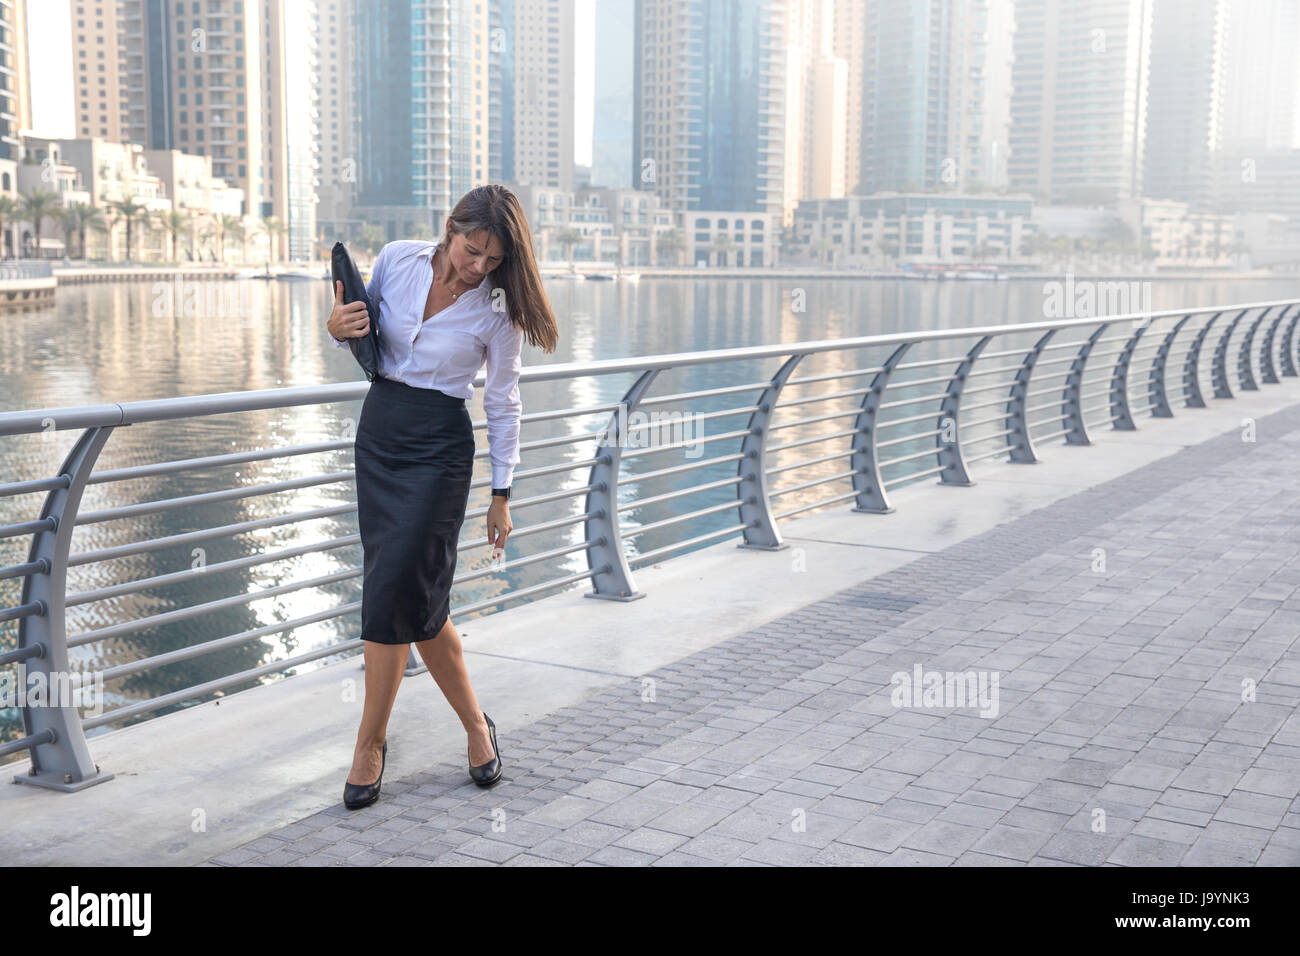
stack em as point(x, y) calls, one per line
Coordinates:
point(1121, 417)
point(611, 578)
point(1192, 397)
point(1288, 345)
point(1156, 380)
point(1267, 367)
point(1019, 443)
point(950, 454)
point(62, 761)
point(755, 507)
point(1072, 397)
point(1245, 373)
point(1221, 387)
point(871, 497)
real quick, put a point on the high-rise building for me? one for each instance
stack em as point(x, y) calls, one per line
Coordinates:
point(1259, 149)
point(709, 102)
point(193, 80)
point(905, 95)
point(1185, 101)
point(935, 93)
point(291, 118)
point(1260, 95)
point(543, 92)
point(824, 173)
point(850, 38)
point(423, 110)
point(1079, 98)
point(815, 106)
point(98, 68)
point(501, 91)
point(336, 93)
point(15, 78)
point(979, 123)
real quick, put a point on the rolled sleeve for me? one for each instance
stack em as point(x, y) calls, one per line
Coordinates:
point(501, 402)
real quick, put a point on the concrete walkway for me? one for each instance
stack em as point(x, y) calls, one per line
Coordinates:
point(1143, 632)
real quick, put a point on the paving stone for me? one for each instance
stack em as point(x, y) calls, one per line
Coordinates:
point(1018, 843)
point(1118, 692)
point(879, 833)
point(1083, 848)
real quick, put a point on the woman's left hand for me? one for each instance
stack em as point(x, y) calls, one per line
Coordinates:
point(498, 523)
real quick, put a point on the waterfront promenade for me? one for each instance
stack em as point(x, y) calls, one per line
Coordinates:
point(1136, 598)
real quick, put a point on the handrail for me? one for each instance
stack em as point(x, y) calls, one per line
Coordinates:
point(218, 403)
point(603, 499)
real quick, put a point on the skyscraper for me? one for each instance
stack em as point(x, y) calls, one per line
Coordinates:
point(15, 78)
point(1185, 101)
point(194, 80)
point(849, 38)
point(292, 96)
point(1260, 74)
point(423, 108)
point(336, 88)
point(100, 69)
point(815, 105)
point(709, 127)
point(935, 94)
point(1079, 98)
point(543, 93)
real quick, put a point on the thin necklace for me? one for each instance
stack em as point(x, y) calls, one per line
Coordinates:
point(454, 295)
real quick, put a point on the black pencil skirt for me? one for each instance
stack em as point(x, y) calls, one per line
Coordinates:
point(414, 456)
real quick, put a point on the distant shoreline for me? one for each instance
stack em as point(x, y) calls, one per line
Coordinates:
point(75, 275)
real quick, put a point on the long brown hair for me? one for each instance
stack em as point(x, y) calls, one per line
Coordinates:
point(496, 209)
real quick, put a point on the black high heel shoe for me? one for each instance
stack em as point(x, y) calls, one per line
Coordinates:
point(489, 773)
point(358, 795)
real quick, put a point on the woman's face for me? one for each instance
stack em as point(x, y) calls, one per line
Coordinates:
point(475, 255)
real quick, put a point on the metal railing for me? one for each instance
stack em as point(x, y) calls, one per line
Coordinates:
point(913, 413)
point(26, 270)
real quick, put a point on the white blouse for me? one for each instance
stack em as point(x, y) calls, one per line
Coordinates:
point(447, 350)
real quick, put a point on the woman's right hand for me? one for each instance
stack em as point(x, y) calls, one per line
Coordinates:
point(347, 320)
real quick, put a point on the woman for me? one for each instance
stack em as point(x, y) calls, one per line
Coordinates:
point(444, 308)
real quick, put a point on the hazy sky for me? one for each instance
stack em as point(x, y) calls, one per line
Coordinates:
point(51, 63)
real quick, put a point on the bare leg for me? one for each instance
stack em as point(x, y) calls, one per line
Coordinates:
point(443, 656)
point(384, 666)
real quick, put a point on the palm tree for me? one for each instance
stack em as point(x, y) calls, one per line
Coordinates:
point(271, 228)
point(128, 211)
point(819, 247)
point(227, 224)
point(67, 218)
point(274, 228)
point(9, 211)
point(204, 234)
point(722, 244)
point(370, 237)
point(240, 233)
point(568, 237)
point(789, 242)
point(82, 216)
point(176, 223)
point(37, 205)
point(93, 218)
point(671, 241)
